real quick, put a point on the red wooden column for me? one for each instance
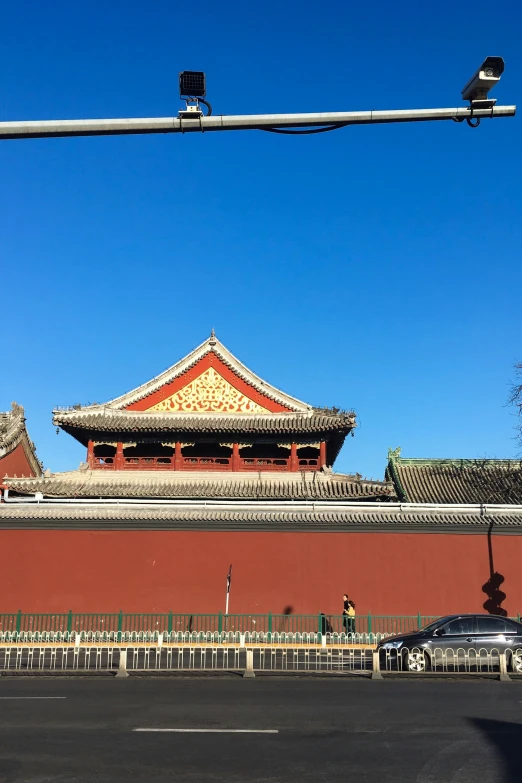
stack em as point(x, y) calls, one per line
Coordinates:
point(322, 453)
point(90, 453)
point(235, 456)
point(177, 456)
point(293, 457)
point(119, 463)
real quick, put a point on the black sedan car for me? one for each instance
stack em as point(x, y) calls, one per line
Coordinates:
point(455, 641)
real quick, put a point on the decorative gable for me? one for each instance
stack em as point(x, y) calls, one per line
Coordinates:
point(210, 392)
point(209, 384)
point(209, 380)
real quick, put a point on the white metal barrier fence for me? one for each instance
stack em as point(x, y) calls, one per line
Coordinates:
point(28, 658)
point(171, 658)
point(187, 658)
point(186, 637)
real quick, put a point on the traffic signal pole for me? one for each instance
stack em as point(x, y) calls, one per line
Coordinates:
point(267, 122)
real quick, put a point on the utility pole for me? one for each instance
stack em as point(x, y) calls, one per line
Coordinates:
point(229, 584)
point(192, 120)
point(269, 122)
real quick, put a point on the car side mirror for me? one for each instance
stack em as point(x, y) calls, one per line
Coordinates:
point(439, 632)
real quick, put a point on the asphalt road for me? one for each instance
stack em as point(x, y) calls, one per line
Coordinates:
point(342, 729)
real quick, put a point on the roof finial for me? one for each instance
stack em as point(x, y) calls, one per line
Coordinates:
point(212, 339)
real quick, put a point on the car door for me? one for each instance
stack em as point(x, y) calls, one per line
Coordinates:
point(454, 644)
point(493, 638)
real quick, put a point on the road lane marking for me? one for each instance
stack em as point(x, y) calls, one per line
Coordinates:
point(33, 697)
point(214, 731)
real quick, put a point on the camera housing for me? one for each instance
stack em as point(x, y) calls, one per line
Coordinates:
point(478, 87)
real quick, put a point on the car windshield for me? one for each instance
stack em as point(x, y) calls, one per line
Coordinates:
point(433, 626)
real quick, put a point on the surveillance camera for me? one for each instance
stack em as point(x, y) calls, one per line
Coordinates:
point(483, 80)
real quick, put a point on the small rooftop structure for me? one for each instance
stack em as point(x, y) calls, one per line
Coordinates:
point(495, 481)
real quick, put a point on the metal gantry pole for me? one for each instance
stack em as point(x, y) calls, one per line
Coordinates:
point(125, 126)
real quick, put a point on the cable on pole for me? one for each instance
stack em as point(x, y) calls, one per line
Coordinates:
point(304, 132)
point(207, 104)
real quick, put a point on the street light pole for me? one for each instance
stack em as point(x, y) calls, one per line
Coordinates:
point(267, 122)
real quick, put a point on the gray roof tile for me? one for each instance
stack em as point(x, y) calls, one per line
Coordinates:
point(103, 419)
point(300, 517)
point(456, 481)
point(188, 484)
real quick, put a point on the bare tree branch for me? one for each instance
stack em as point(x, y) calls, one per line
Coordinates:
point(515, 398)
point(487, 480)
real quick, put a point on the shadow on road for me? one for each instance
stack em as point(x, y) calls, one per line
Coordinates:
point(506, 738)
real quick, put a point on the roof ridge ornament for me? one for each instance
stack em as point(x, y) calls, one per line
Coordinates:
point(212, 339)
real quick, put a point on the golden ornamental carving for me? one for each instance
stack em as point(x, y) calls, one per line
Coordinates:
point(208, 393)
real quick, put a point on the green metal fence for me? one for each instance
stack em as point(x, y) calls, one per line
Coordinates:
point(122, 622)
point(169, 622)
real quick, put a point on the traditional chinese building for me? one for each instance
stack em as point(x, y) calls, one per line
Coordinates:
point(206, 465)
point(207, 427)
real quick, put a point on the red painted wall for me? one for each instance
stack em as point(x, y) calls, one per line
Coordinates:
point(15, 464)
point(142, 571)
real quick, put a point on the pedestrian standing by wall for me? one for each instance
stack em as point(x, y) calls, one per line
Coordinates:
point(346, 618)
point(351, 617)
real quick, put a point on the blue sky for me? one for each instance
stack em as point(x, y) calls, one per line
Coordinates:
point(374, 268)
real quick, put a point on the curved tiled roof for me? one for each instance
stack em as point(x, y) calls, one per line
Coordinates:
point(456, 481)
point(12, 426)
point(104, 419)
point(292, 517)
point(212, 346)
point(192, 485)
point(13, 432)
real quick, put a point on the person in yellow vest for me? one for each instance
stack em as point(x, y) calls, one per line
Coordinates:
point(348, 614)
point(351, 616)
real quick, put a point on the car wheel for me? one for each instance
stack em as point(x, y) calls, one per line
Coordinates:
point(415, 661)
point(516, 662)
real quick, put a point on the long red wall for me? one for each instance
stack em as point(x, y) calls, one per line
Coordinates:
point(142, 571)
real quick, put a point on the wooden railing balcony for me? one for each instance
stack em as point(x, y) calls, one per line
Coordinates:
point(148, 463)
point(308, 464)
point(103, 463)
point(264, 463)
point(206, 463)
point(203, 463)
